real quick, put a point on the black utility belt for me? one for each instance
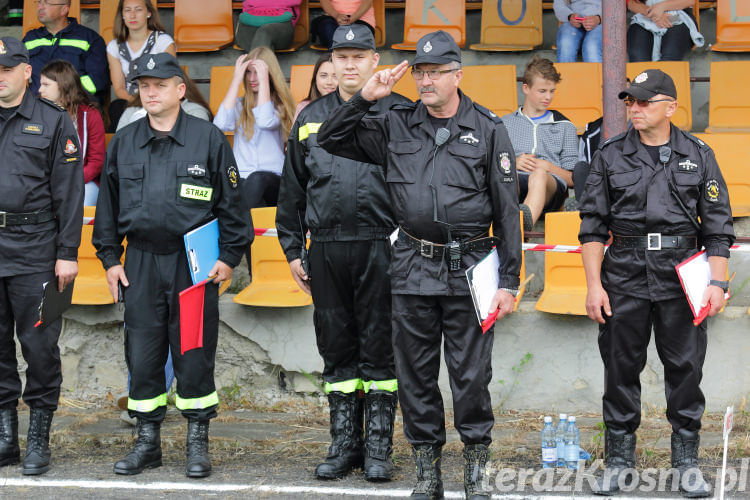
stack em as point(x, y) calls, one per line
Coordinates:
point(161, 247)
point(20, 219)
point(430, 250)
point(655, 241)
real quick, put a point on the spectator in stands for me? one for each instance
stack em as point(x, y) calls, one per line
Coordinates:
point(61, 37)
point(661, 30)
point(323, 82)
point(338, 13)
point(15, 13)
point(193, 104)
point(267, 23)
point(545, 143)
point(261, 121)
point(60, 84)
point(581, 29)
point(137, 30)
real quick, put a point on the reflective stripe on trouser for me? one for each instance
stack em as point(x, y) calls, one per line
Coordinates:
point(352, 297)
point(421, 324)
point(197, 403)
point(380, 385)
point(152, 327)
point(147, 405)
point(19, 302)
point(345, 386)
point(623, 345)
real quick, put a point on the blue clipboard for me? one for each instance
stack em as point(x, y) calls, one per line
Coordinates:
point(202, 249)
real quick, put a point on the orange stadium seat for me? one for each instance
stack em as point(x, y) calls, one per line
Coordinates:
point(221, 77)
point(90, 286)
point(732, 152)
point(519, 28)
point(198, 28)
point(425, 16)
point(732, 26)
point(728, 104)
point(501, 96)
point(301, 29)
point(107, 11)
point(564, 278)
point(579, 95)
point(299, 80)
point(30, 20)
point(273, 285)
point(680, 73)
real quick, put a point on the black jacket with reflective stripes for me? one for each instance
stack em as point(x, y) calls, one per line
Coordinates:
point(336, 198)
point(154, 190)
point(627, 194)
point(473, 176)
point(41, 171)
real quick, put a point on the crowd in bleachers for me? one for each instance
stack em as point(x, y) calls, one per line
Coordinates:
point(255, 107)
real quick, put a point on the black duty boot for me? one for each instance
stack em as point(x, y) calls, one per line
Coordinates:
point(475, 473)
point(345, 452)
point(9, 452)
point(380, 411)
point(146, 453)
point(685, 445)
point(429, 483)
point(198, 460)
point(37, 456)
point(619, 453)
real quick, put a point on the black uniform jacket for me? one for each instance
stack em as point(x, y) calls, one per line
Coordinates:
point(336, 202)
point(41, 170)
point(627, 194)
point(155, 190)
point(473, 174)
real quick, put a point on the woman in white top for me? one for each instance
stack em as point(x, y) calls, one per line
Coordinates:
point(137, 30)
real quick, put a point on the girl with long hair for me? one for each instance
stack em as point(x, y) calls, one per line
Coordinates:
point(137, 30)
point(323, 82)
point(60, 83)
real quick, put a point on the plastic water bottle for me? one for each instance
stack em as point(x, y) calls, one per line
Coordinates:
point(549, 446)
point(560, 439)
point(572, 444)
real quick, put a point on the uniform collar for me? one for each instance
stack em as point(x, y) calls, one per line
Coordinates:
point(72, 22)
point(632, 140)
point(145, 133)
point(26, 108)
point(463, 117)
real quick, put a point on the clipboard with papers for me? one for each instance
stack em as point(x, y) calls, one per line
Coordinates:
point(484, 280)
point(202, 248)
point(695, 274)
point(54, 303)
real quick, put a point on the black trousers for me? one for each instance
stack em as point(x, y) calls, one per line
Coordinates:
point(675, 43)
point(352, 296)
point(681, 346)
point(152, 326)
point(19, 302)
point(259, 189)
point(420, 323)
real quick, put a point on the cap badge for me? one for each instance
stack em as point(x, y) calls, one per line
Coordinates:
point(427, 47)
point(151, 64)
point(641, 78)
point(2, 48)
point(350, 35)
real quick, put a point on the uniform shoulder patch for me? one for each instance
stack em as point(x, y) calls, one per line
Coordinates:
point(618, 137)
point(702, 145)
point(51, 103)
point(488, 113)
point(713, 193)
point(233, 176)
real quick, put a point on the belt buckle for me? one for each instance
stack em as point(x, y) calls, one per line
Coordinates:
point(653, 241)
point(426, 249)
point(4, 217)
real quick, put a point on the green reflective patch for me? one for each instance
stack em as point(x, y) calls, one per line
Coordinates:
point(147, 405)
point(196, 192)
point(381, 385)
point(196, 403)
point(345, 386)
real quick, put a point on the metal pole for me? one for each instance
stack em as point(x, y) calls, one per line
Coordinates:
point(613, 65)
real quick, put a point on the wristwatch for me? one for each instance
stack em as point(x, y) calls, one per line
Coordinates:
point(724, 285)
point(512, 291)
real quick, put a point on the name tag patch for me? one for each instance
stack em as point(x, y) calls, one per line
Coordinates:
point(33, 128)
point(199, 193)
point(687, 166)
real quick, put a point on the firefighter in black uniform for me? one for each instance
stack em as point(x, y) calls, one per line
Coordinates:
point(648, 187)
point(164, 175)
point(41, 209)
point(349, 217)
point(450, 171)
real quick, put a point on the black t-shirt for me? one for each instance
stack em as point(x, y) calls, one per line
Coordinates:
point(8, 112)
point(653, 151)
point(438, 122)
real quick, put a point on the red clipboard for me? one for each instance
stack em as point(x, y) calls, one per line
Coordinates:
point(191, 316)
point(699, 274)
